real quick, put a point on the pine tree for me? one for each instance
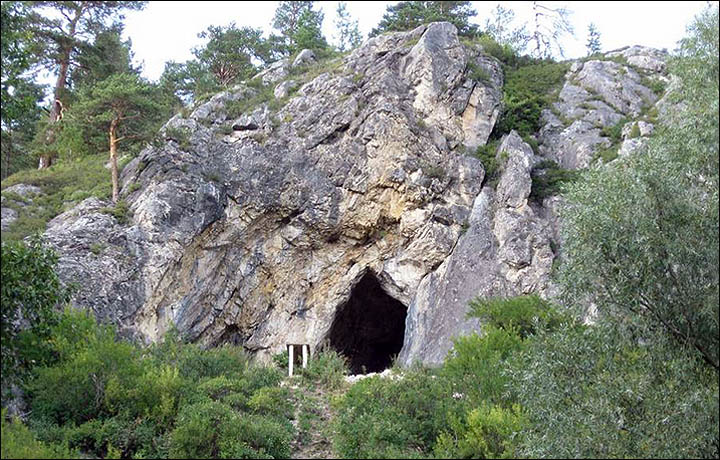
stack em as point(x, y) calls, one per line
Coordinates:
point(124, 107)
point(349, 36)
point(299, 26)
point(409, 15)
point(60, 36)
point(593, 43)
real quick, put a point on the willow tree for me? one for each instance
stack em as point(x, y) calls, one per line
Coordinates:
point(126, 108)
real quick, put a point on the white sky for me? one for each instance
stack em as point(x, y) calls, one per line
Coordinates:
point(167, 30)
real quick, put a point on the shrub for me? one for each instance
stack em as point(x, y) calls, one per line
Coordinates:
point(383, 418)
point(614, 132)
point(85, 385)
point(549, 179)
point(272, 401)
point(30, 291)
point(195, 363)
point(473, 366)
point(214, 430)
point(120, 211)
point(521, 315)
point(19, 442)
point(327, 369)
point(528, 90)
point(486, 432)
point(478, 73)
point(179, 135)
point(488, 155)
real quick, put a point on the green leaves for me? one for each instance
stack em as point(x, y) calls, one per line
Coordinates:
point(409, 15)
point(30, 292)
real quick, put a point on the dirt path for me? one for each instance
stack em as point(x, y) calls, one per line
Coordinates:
point(313, 421)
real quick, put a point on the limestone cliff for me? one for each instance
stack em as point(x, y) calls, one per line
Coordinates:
point(267, 227)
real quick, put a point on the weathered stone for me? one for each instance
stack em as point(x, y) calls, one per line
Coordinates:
point(7, 217)
point(275, 72)
point(597, 94)
point(282, 90)
point(261, 237)
point(24, 190)
point(304, 57)
point(504, 252)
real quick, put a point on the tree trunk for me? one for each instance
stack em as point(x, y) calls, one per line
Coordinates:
point(113, 161)
point(47, 158)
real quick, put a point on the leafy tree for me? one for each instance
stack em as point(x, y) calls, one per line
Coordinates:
point(309, 34)
point(349, 36)
point(550, 26)
point(60, 35)
point(589, 393)
point(642, 238)
point(299, 25)
point(409, 15)
point(30, 292)
point(498, 27)
point(593, 43)
point(123, 106)
point(20, 96)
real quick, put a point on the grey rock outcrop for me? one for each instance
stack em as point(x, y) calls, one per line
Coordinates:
point(504, 252)
point(258, 236)
point(255, 227)
point(598, 94)
point(304, 57)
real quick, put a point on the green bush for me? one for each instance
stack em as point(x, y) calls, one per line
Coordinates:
point(30, 290)
point(521, 315)
point(384, 418)
point(488, 155)
point(213, 430)
point(549, 179)
point(327, 369)
point(19, 442)
point(486, 432)
point(88, 383)
point(273, 402)
point(528, 90)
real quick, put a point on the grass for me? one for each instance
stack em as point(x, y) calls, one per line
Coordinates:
point(607, 154)
point(614, 132)
point(527, 91)
point(548, 179)
point(62, 185)
point(487, 154)
point(478, 73)
point(179, 135)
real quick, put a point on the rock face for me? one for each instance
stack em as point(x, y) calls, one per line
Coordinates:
point(259, 228)
point(599, 94)
point(504, 252)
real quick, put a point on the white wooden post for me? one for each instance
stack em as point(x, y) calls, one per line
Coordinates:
point(305, 351)
point(290, 360)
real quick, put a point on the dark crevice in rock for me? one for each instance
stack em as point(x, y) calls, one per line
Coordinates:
point(369, 328)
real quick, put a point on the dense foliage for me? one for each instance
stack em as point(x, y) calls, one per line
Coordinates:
point(98, 394)
point(409, 15)
point(30, 292)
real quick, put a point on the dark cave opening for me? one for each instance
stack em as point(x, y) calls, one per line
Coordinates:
point(369, 329)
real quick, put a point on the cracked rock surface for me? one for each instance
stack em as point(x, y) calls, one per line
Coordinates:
point(253, 228)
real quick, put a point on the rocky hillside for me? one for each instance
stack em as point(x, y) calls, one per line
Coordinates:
point(272, 210)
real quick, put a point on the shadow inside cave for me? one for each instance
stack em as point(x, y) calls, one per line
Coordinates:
point(369, 328)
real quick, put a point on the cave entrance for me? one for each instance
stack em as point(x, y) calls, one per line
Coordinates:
point(369, 329)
